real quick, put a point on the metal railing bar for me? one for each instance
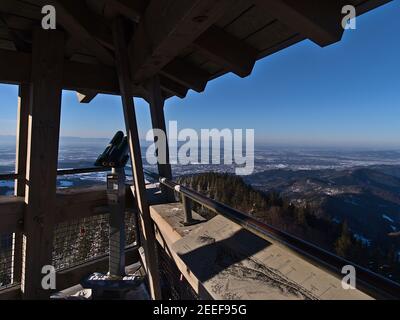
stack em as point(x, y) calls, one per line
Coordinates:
point(65, 172)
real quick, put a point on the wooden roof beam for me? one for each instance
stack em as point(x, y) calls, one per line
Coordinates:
point(173, 88)
point(15, 68)
point(132, 10)
point(166, 28)
point(320, 21)
point(76, 19)
point(186, 74)
point(227, 50)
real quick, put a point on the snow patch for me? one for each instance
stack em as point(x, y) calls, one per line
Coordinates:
point(384, 216)
point(365, 241)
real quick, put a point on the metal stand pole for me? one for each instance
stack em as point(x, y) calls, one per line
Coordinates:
point(187, 210)
point(116, 201)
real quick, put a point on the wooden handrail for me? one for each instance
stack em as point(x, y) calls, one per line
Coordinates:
point(60, 172)
point(71, 204)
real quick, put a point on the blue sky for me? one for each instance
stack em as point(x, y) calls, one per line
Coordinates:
point(347, 94)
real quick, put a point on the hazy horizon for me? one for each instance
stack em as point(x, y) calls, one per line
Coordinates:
point(11, 139)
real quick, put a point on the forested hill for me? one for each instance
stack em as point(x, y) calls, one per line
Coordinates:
point(302, 221)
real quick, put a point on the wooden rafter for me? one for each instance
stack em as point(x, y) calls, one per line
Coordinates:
point(320, 21)
point(166, 28)
point(15, 68)
point(91, 31)
point(132, 10)
point(186, 74)
point(228, 51)
point(173, 88)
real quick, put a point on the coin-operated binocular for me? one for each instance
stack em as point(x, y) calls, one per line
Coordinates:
point(116, 282)
point(116, 153)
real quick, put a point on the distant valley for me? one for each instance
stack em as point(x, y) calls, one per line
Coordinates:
point(368, 198)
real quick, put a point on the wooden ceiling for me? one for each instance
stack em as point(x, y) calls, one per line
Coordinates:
point(185, 42)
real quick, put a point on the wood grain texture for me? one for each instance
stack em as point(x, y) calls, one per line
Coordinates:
point(41, 175)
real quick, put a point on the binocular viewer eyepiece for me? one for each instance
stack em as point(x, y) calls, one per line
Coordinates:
point(116, 154)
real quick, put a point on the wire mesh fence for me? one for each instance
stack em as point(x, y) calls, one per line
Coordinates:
point(6, 260)
point(86, 239)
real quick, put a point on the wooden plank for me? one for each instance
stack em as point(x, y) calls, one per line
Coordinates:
point(249, 22)
point(15, 67)
point(186, 74)
point(11, 214)
point(132, 10)
point(43, 140)
point(71, 204)
point(12, 293)
point(166, 28)
point(7, 44)
point(234, 13)
point(99, 78)
point(320, 21)
point(274, 33)
point(16, 22)
point(122, 64)
point(169, 229)
point(23, 9)
point(227, 50)
point(91, 31)
point(264, 52)
point(172, 87)
point(72, 276)
point(293, 39)
point(15, 36)
point(82, 76)
point(156, 102)
point(78, 203)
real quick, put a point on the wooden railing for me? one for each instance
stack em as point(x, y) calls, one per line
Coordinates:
point(368, 280)
point(60, 172)
point(71, 204)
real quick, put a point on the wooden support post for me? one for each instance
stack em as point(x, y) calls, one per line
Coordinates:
point(41, 175)
point(156, 102)
point(20, 170)
point(149, 242)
